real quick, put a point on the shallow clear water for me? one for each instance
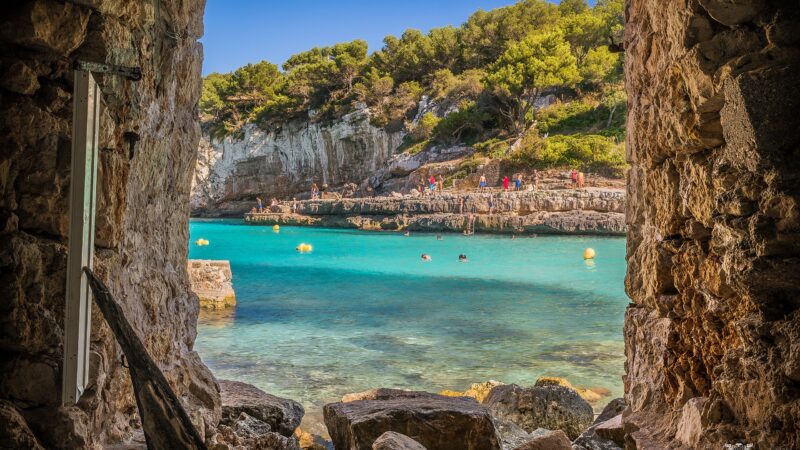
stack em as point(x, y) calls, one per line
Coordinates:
point(363, 311)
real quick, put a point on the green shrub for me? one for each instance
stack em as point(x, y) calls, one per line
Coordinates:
point(583, 117)
point(587, 152)
point(494, 148)
point(423, 130)
point(458, 125)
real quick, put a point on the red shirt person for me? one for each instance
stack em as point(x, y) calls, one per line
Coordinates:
point(505, 182)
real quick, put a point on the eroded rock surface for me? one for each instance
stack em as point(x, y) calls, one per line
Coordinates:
point(396, 441)
point(148, 139)
point(435, 421)
point(713, 223)
point(590, 211)
point(547, 440)
point(550, 407)
point(212, 281)
point(285, 161)
point(280, 414)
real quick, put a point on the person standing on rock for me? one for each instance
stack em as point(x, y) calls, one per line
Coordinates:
point(518, 182)
point(294, 205)
point(505, 183)
point(573, 176)
point(314, 191)
point(260, 205)
point(440, 184)
point(482, 182)
point(580, 179)
point(432, 182)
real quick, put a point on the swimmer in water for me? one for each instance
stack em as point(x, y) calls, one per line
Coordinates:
point(426, 257)
point(407, 233)
point(438, 237)
point(462, 258)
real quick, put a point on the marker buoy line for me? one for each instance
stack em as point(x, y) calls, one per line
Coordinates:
point(588, 253)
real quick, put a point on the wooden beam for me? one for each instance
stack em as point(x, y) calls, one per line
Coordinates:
point(165, 423)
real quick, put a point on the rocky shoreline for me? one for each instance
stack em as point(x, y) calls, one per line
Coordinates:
point(491, 415)
point(558, 211)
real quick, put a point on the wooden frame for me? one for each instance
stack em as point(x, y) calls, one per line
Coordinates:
point(83, 183)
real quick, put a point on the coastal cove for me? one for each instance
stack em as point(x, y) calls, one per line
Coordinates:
point(362, 311)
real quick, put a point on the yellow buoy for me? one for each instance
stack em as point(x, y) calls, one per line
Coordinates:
point(303, 248)
point(201, 242)
point(588, 253)
point(276, 227)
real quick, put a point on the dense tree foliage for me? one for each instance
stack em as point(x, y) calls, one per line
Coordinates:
point(484, 77)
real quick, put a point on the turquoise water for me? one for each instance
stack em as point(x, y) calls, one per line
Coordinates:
point(363, 311)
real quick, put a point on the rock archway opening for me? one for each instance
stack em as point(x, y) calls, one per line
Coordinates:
point(712, 336)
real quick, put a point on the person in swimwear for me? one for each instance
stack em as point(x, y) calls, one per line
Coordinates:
point(426, 257)
point(462, 258)
point(482, 182)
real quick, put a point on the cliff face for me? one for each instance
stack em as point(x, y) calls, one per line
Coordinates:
point(286, 161)
point(591, 211)
point(148, 144)
point(713, 335)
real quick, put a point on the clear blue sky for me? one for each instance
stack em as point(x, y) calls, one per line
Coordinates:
point(238, 32)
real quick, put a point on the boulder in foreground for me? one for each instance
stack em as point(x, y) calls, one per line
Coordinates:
point(396, 441)
point(435, 421)
point(551, 407)
point(282, 415)
point(549, 440)
point(593, 440)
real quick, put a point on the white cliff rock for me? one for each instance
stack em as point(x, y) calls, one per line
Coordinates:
point(287, 160)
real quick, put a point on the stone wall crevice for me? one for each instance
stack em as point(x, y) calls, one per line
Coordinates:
point(713, 232)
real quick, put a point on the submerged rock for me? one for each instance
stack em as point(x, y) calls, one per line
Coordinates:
point(435, 421)
point(551, 407)
point(280, 414)
point(478, 391)
point(396, 441)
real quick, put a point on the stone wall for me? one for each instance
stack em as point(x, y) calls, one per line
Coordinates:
point(149, 141)
point(212, 281)
point(288, 160)
point(713, 334)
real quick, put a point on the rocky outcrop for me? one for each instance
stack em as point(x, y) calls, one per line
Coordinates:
point(712, 336)
point(435, 421)
point(278, 414)
point(148, 139)
point(550, 407)
point(547, 440)
point(590, 440)
point(288, 160)
point(396, 441)
point(212, 281)
point(591, 211)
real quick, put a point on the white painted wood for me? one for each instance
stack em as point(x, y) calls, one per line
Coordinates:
point(83, 183)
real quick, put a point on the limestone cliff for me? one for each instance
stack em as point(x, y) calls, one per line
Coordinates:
point(713, 335)
point(284, 161)
point(148, 143)
point(581, 211)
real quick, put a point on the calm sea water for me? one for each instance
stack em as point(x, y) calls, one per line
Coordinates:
point(363, 311)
